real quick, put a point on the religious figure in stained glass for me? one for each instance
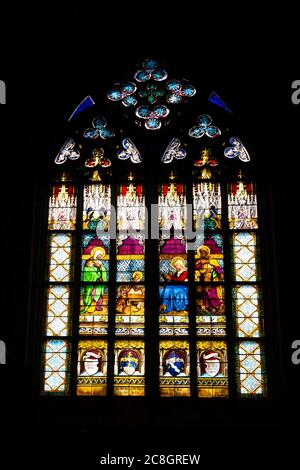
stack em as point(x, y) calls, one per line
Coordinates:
point(207, 268)
point(180, 272)
point(129, 298)
point(173, 299)
point(94, 271)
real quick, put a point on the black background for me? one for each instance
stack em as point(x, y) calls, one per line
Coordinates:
point(51, 60)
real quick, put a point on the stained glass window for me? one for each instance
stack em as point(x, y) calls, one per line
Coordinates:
point(173, 290)
point(122, 305)
point(246, 290)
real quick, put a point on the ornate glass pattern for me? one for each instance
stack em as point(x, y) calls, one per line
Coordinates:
point(92, 368)
point(62, 207)
point(67, 151)
point(96, 207)
point(242, 206)
point(55, 368)
point(212, 369)
point(60, 264)
point(174, 368)
point(177, 91)
point(99, 130)
point(152, 116)
point(123, 93)
point(251, 376)
point(150, 69)
point(246, 295)
point(151, 88)
point(58, 309)
point(97, 160)
point(244, 257)
point(61, 221)
point(129, 368)
point(207, 203)
point(174, 150)
point(247, 311)
point(237, 150)
point(129, 151)
point(204, 128)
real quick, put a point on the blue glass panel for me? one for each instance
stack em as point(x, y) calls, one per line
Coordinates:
point(86, 103)
point(215, 99)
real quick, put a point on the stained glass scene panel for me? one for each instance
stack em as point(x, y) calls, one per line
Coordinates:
point(251, 374)
point(172, 213)
point(212, 369)
point(60, 260)
point(56, 367)
point(62, 207)
point(247, 311)
point(93, 317)
point(130, 233)
point(210, 310)
point(129, 368)
point(207, 205)
point(174, 368)
point(209, 258)
point(173, 316)
point(130, 310)
point(92, 368)
point(242, 206)
point(244, 257)
point(96, 207)
point(95, 258)
point(58, 310)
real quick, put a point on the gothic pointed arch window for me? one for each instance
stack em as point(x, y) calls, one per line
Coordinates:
point(153, 275)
